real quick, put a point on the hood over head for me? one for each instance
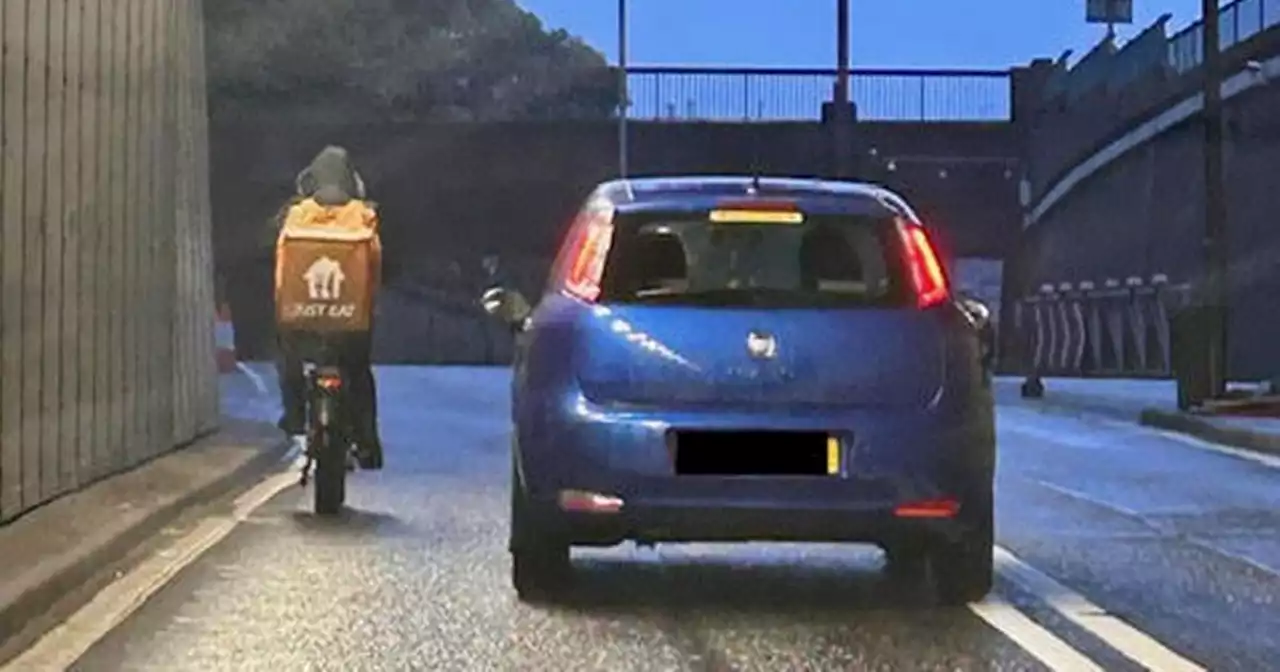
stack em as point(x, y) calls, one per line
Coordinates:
point(331, 178)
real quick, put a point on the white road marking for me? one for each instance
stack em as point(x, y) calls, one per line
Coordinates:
point(62, 646)
point(1032, 637)
point(1019, 425)
point(1085, 497)
point(1238, 557)
point(1016, 425)
point(258, 383)
point(1264, 459)
point(1119, 635)
point(1145, 518)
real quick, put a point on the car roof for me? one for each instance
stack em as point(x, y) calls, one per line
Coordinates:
point(680, 193)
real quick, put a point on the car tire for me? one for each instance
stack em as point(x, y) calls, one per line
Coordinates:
point(540, 566)
point(906, 561)
point(963, 567)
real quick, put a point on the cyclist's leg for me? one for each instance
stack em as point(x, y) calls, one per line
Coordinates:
point(292, 386)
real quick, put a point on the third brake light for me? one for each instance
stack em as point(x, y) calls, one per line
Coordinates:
point(751, 211)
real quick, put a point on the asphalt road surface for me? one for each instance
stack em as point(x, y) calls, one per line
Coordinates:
point(1120, 548)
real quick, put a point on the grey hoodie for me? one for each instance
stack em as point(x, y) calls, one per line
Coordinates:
point(331, 179)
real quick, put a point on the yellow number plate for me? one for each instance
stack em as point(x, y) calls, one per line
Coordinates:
point(833, 455)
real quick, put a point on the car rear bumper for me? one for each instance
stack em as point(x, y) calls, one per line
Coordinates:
point(888, 464)
point(718, 521)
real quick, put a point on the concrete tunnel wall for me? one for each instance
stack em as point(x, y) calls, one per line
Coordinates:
point(1141, 212)
point(106, 308)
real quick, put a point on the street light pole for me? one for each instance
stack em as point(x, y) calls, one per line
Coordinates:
point(842, 51)
point(1215, 242)
point(840, 102)
point(624, 102)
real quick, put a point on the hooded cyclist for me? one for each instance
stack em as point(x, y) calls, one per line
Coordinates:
point(328, 268)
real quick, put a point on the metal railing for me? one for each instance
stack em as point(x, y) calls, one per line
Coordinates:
point(1239, 21)
point(798, 94)
point(1081, 329)
point(1151, 50)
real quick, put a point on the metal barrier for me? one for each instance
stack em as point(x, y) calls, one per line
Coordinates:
point(1240, 21)
point(1119, 329)
point(798, 94)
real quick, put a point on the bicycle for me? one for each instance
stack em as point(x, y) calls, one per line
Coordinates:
point(329, 445)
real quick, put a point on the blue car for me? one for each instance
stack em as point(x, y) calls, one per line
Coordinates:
point(750, 359)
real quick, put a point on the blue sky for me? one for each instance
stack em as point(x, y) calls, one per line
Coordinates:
point(887, 33)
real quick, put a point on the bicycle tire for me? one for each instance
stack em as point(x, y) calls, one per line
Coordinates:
point(330, 484)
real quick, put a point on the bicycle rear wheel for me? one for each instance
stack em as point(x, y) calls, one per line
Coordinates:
point(330, 455)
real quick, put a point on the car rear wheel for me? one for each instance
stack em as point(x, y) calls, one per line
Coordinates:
point(960, 568)
point(963, 567)
point(540, 567)
point(906, 561)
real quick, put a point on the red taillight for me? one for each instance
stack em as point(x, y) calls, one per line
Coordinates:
point(580, 501)
point(929, 508)
point(927, 277)
point(593, 236)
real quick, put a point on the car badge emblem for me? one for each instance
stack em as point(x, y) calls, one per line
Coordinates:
point(761, 345)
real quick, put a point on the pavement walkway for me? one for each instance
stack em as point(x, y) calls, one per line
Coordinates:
point(1148, 402)
point(66, 550)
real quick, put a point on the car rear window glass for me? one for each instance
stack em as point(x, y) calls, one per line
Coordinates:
point(825, 261)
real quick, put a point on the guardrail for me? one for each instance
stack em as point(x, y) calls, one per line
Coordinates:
point(423, 325)
point(1239, 21)
point(797, 94)
point(1081, 329)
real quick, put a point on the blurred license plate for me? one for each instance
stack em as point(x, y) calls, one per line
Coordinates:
point(721, 453)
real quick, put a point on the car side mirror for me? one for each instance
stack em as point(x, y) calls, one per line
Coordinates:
point(977, 312)
point(979, 315)
point(507, 305)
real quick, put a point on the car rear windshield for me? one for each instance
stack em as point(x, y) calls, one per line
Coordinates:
point(826, 261)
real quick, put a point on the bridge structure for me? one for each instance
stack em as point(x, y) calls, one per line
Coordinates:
point(455, 194)
point(1114, 208)
point(122, 201)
